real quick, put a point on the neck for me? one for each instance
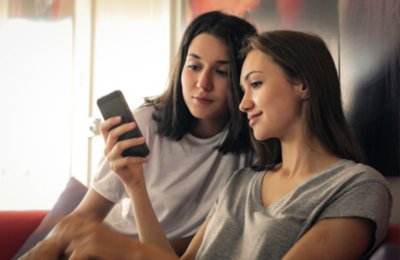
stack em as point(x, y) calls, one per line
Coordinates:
point(207, 128)
point(305, 157)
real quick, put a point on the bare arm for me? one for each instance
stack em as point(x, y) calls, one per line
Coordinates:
point(195, 243)
point(339, 238)
point(130, 171)
point(92, 206)
point(98, 241)
point(94, 240)
point(149, 228)
point(180, 245)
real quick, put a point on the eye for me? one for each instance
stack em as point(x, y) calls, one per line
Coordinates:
point(255, 84)
point(193, 67)
point(222, 72)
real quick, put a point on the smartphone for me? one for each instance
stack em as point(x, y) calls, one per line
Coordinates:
point(114, 104)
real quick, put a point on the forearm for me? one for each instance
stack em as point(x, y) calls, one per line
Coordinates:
point(150, 231)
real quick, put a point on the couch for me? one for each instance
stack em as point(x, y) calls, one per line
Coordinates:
point(21, 230)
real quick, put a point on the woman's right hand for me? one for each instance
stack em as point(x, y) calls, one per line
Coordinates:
point(129, 169)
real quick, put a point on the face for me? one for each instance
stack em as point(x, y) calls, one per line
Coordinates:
point(271, 102)
point(205, 78)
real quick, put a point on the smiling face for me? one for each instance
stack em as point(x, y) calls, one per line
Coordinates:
point(205, 80)
point(272, 103)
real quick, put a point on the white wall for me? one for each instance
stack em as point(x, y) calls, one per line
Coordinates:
point(131, 52)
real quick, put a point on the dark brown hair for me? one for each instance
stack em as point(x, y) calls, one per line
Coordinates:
point(172, 115)
point(306, 59)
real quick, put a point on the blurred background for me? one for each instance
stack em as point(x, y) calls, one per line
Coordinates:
point(57, 57)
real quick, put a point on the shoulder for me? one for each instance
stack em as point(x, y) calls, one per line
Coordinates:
point(355, 180)
point(144, 118)
point(143, 113)
point(243, 179)
point(357, 173)
point(349, 173)
point(362, 192)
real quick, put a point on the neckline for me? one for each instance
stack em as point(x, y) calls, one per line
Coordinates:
point(210, 140)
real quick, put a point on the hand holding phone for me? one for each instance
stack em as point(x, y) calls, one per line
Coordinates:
point(114, 104)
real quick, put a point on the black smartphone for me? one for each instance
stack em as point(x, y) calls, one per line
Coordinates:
point(114, 104)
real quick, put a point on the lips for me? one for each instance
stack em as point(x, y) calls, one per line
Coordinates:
point(253, 118)
point(202, 100)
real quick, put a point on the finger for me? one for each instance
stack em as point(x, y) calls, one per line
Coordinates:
point(120, 146)
point(107, 124)
point(126, 162)
point(74, 228)
point(76, 255)
point(115, 133)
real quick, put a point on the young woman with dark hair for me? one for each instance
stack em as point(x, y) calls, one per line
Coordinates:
point(195, 132)
point(312, 200)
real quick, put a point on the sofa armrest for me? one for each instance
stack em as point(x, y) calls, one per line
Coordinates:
point(393, 235)
point(15, 228)
point(390, 248)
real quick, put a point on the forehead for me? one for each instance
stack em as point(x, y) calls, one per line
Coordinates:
point(209, 47)
point(255, 60)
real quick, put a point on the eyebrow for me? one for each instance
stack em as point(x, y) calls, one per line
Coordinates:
point(193, 55)
point(246, 78)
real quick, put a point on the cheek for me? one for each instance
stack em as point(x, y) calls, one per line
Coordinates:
point(184, 79)
point(221, 86)
point(186, 82)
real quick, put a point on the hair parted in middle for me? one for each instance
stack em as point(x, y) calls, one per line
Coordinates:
point(172, 115)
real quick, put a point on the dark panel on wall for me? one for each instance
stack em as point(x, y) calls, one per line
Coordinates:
point(364, 39)
point(316, 16)
point(370, 77)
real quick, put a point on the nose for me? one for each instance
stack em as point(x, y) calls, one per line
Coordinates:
point(204, 80)
point(246, 104)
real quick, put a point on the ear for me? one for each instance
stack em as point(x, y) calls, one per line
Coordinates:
point(302, 90)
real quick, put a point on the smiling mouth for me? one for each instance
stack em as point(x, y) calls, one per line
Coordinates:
point(253, 118)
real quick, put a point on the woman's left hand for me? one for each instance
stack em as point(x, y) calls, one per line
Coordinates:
point(91, 239)
point(96, 240)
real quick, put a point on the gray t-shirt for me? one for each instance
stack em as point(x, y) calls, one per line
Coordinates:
point(240, 227)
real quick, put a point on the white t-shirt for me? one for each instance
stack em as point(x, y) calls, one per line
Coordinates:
point(183, 179)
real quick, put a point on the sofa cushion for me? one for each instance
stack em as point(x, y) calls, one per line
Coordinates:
point(66, 203)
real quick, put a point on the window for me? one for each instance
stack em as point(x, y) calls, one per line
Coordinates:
point(52, 72)
point(35, 105)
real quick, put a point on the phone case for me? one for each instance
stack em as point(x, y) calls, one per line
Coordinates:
point(114, 104)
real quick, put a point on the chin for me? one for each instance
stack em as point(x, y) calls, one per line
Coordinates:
point(260, 136)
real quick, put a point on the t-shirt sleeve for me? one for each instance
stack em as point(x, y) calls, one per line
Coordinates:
point(107, 183)
point(369, 200)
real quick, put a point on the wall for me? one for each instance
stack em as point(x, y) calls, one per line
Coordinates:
point(364, 39)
